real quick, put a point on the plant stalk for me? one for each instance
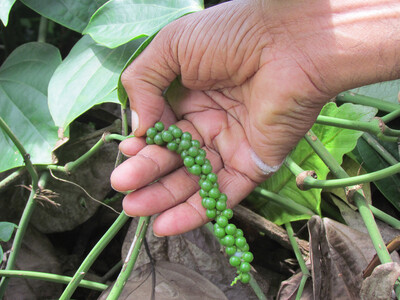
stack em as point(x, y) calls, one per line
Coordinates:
point(256, 288)
point(379, 149)
point(380, 104)
point(10, 178)
point(21, 229)
point(130, 259)
point(391, 116)
point(21, 149)
point(358, 198)
point(300, 259)
point(285, 202)
point(42, 29)
point(92, 256)
point(388, 219)
point(310, 182)
point(52, 278)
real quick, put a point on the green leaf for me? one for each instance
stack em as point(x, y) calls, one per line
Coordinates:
point(87, 76)
point(122, 96)
point(372, 161)
point(388, 90)
point(133, 19)
point(69, 13)
point(5, 7)
point(338, 141)
point(24, 79)
point(6, 231)
point(1, 253)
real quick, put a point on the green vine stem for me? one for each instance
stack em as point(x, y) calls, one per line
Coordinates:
point(253, 282)
point(357, 197)
point(310, 182)
point(22, 227)
point(284, 202)
point(10, 178)
point(391, 116)
point(300, 259)
point(380, 104)
point(71, 166)
point(52, 278)
point(379, 149)
point(42, 29)
point(375, 127)
point(117, 267)
point(92, 256)
point(21, 149)
point(130, 259)
point(385, 217)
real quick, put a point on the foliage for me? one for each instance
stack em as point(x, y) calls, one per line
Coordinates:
point(41, 95)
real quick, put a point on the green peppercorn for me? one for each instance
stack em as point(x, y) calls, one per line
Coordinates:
point(193, 151)
point(230, 229)
point(234, 261)
point(167, 136)
point(177, 132)
point(149, 141)
point(195, 170)
point(248, 257)
point(172, 127)
point(245, 277)
point(209, 203)
point(219, 232)
point(187, 136)
point(200, 160)
point(223, 197)
point(159, 126)
point(184, 144)
point(240, 241)
point(228, 213)
point(228, 241)
point(151, 132)
point(244, 267)
point(211, 213)
point(214, 192)
point(158, 139)
point(239, 232)
point(172, 146)
point(188, 161)
point(206, 168)
point(206, 185)
point(220, 205)
point(203, 193)
point(196, 143)
point(230, 250)
point(221, 221)
point(202, 152)
point(212, 177)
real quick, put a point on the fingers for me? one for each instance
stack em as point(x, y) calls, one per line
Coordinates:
point(191, 214)
point(147, 77)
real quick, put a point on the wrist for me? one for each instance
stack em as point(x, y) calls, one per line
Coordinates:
point(343, 43)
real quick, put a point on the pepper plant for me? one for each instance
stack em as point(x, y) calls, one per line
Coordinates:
point(43, 93)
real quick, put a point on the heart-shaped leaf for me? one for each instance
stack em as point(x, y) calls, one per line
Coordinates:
point(338, 141)
point(87, 77)
point(70, 13)
point(5, 7)
point(120, 21)
point(6, 230)
point(24, 78)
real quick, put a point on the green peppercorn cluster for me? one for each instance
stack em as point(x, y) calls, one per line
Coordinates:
point(194, 158)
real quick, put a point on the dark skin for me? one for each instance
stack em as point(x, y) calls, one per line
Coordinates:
point(252, 78)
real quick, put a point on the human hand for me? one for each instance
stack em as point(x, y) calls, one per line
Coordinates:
point(252, 84)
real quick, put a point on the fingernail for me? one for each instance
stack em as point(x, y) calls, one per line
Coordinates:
point(134, 120)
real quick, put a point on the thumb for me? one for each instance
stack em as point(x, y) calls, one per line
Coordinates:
point(146, 78)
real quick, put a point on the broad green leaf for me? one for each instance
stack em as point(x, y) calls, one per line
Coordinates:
point(388, 90)
point(120, 21)
point(69, 13)
point(6, 231)
point(337, 140)
point(5, 7)
point(85, 78)
point(122, 96)
point(24, 79)
point(372, 161)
